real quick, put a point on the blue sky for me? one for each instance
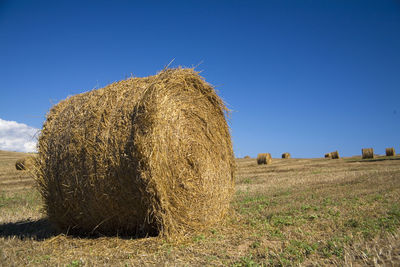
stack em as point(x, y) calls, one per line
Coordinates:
point(307, 77)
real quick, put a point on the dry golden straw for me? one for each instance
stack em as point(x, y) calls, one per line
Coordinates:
point(390, 152)
point(335, 155)
point(286, 155)
point(328, 155)
point(264, 158)
point(367, 153)
point(141, 156)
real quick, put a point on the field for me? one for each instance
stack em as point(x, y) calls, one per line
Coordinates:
point(292, 212)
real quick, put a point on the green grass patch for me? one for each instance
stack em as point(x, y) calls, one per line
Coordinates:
point(29, 198)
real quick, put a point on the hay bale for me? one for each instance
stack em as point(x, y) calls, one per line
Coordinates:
point(328, 155)
point(25, 163)
point(367, 153)
point(20, 164)
point(141, 156)
point(264, 158)
point(247, 157)
point(286, 155)
point(390, 152)
point(335, 155)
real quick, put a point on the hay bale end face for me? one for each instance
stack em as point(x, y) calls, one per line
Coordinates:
point(335, 155)
point(286, 155)
point(143, 156)
point(390, 152)
point(328, 155)
point(367, 153)
point(264, 158)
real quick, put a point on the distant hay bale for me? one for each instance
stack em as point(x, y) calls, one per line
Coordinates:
point(367, 153)
point(141, 156)
point(246, 157)
point(20, 164)
point(390, 152)
point(328, 155)
point(286, 155)
point(335, 155)
point(25, 163)
point(264, 158)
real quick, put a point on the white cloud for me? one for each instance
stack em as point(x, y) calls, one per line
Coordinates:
point(16, 136)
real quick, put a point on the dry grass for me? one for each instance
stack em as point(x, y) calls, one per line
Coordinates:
point(367, 153)
point(143, 156)
point(343, 212)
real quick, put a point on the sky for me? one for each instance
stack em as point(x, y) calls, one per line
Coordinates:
point(305, 77)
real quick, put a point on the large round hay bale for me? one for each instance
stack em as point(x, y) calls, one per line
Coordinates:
point(141, 156)
point(335, 155)
point(286, 155)
point(390, 152)
point(367, 153)
point(264, 158)
point(328, 155)
point(247, 157)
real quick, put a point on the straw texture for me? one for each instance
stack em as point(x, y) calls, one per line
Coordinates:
point(143, 156)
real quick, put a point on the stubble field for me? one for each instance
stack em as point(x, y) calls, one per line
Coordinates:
point(292, 212)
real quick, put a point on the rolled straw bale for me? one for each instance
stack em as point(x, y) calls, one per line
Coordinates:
point(286, 155)
point(367, 153)
point(20, 164)
point(335, 155)
point(264, 158)
point(390, 152)
point(328, 155)
point(246, 157)
point(25, 163)
point(141, 156)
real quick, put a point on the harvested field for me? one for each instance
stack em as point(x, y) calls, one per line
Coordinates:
point(295, 211)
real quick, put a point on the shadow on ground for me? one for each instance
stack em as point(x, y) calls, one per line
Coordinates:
point(32, 229)
point(42, 229)
point(371, 160)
